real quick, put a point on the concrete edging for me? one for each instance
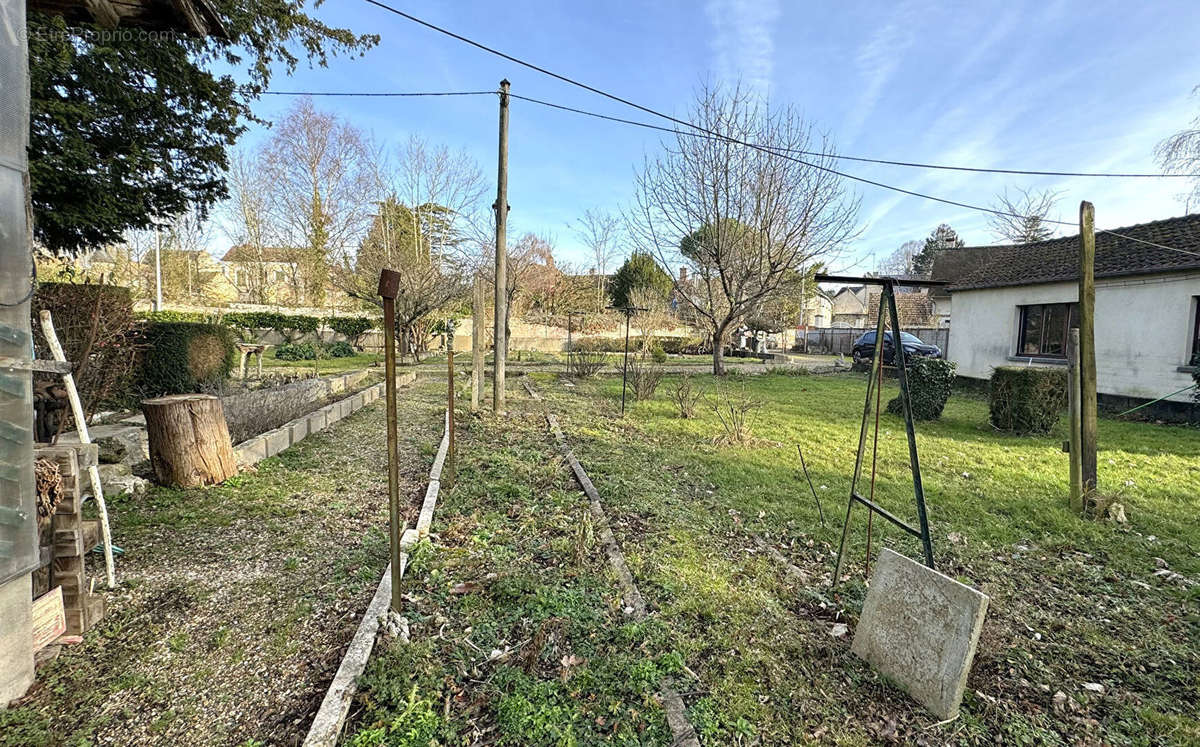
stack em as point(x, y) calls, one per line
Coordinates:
point(268, 444)
point(331, 716)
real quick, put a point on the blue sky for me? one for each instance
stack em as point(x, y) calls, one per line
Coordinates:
point(1078, 85)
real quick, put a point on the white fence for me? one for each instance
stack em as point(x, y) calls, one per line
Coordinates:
point(835, 340)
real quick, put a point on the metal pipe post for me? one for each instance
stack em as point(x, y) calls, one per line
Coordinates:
point(450, 453)
point(389, 286)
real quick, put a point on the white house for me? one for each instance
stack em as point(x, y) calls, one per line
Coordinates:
point(1017, 307)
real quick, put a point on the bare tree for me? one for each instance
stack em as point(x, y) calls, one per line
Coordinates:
point(903, 261)
point(1180, 154)
point(321, 179)
point(601, 233)
point(249, 223)
point(1023, 218)
point(425, 230)
point(738, 217)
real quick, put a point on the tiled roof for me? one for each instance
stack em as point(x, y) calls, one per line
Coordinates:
point(952, 265)
point(915, 310)
point(1057, 260)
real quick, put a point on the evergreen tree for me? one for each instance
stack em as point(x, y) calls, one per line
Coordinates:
point(640, 272)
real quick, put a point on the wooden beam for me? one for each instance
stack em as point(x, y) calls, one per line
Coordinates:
point(1087, 345)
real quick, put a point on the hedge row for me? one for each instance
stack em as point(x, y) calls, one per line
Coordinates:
point(284, 324)
point(674, 345)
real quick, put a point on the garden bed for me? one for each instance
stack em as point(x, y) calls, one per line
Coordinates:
point(235, 602)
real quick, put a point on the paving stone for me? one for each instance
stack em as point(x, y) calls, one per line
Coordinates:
point(920, 628)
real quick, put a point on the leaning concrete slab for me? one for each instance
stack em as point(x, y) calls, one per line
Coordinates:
point(920, 628)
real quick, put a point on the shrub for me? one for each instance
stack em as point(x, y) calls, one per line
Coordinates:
point(658, 354)
point(586, 363)
point(339, 349)
point(99, 334)
point(736, 412)
point(644, 377)
point(929, 383)
point(686, 396)
point(185, 357)
point(1025, 399)
point(303, 351)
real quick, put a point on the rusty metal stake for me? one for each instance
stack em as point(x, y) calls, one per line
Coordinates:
point(450, 456)
point(389, 286)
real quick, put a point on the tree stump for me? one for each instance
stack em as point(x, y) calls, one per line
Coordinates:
point(189, 440)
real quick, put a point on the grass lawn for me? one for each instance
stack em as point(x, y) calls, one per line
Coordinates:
point(325, 366)
point(519, 636)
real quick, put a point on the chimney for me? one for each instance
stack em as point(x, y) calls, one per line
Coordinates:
point(683, 274)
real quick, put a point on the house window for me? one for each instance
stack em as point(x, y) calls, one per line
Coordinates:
point(1195, 359)
point(241, 279)
point(1044, 329)
point(280, 277)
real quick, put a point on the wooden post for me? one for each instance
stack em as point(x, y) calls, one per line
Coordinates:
point(448, 475)
point(478, 345)
point(1087, 346)
point(189, 440)
point(389, 286)
point(501, 302)
point(1075, 450)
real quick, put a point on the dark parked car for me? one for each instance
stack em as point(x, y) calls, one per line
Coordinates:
point(864, 347)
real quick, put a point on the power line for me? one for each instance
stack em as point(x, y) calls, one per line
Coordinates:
point(722, 136)
point(387, 94)
point(799, 151)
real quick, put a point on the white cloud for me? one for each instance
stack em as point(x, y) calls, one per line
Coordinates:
point(742, 44)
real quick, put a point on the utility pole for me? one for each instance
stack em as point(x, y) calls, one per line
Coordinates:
point(1087, 346)
point(389, 287)
point(478, 344)
point(501, 304)
point(157, 268)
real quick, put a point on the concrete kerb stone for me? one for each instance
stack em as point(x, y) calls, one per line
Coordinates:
point(331, 716)
point(920, 628)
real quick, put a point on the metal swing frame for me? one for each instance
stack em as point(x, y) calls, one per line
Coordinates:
point(887, 296)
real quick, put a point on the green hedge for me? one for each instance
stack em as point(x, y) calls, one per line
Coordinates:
point(185, 357)
point(929, 383)
point(288, 325)
point(1025, 399)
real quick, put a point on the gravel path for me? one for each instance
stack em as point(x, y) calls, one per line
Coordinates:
point(235, 603)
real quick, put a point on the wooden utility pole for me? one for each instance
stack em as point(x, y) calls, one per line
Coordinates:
point(448, 475)
point(478, 344)
point(389, 286)
point(1087, 346)
point(1074, 449)
point(501, 305)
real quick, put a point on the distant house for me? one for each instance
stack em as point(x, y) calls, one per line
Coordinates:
point(849, 307)
point(276, 276)
point(914, 310)
point(1018, 306)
